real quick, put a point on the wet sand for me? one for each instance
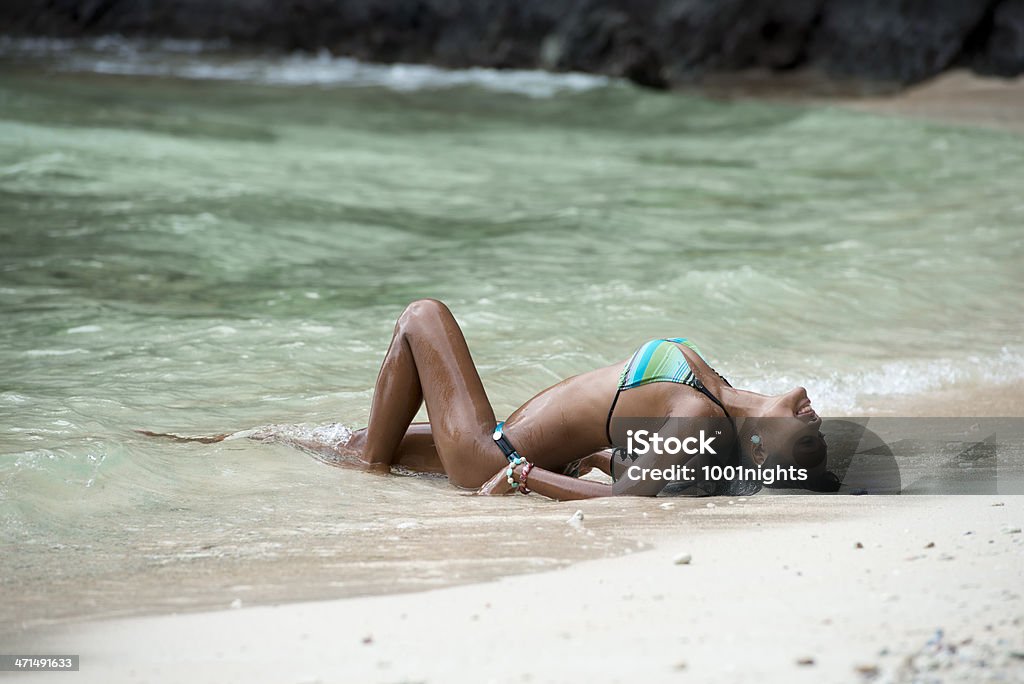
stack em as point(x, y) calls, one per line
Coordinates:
point(793, 589)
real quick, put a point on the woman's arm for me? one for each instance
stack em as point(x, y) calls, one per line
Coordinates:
point(602, 460)
point(547, 483)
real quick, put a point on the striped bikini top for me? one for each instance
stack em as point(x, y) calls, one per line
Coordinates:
point(661, 361)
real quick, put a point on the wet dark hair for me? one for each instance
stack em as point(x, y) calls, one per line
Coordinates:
point(819, 478)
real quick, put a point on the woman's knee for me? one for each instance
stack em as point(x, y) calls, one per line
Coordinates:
point(421, 313)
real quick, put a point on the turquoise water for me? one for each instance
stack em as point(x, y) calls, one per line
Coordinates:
point(206, 243)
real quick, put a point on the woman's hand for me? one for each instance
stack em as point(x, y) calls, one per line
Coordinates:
point(600, 460)
point(497, 485)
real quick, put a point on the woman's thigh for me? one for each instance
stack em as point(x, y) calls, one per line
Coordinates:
point(461, 417)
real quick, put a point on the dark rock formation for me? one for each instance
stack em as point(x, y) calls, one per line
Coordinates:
point(894, 40)
point(998, 44)
point(653, 42)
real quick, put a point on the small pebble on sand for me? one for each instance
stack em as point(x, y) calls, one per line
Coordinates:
point(930, 545)
point(575, 521)
point(858, 545)
point(1011, 530)
point(682, 559)
point(806, 661)
point(867, 671)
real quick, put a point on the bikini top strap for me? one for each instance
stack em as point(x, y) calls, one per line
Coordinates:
point(699, 386)
point(608, 421)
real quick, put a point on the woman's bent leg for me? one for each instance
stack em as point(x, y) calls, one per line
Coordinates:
point(429, 361)
point(416, 451)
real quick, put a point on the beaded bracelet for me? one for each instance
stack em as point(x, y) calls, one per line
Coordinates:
point(522, 478)
point(510, 473)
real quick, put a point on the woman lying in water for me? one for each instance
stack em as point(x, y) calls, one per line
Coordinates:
point(566, 428)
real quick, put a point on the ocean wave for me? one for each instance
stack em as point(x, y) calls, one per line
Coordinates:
point(213, 61)
point(850, 392)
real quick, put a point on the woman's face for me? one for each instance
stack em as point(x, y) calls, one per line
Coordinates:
point(789, 431)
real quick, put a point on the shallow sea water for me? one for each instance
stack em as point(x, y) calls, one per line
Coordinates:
point(202, 243)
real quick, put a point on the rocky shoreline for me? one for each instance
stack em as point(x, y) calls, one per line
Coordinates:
point(657, 43)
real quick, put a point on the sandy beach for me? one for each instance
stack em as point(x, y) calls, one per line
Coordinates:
point(790, 588)
point(978, 401)
point(956, 97)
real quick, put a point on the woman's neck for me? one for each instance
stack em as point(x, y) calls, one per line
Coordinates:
point(742, 403)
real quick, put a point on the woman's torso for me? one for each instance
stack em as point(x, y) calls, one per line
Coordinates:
point(568, 420)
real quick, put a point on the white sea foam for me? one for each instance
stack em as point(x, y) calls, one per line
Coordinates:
point(331, 435)
point(55, 352)
point(211, 61)
point(846, 392)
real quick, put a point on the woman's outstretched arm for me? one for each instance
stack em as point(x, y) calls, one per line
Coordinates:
point(549, 484)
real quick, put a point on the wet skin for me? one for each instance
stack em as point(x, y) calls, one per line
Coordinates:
point(429, 362)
